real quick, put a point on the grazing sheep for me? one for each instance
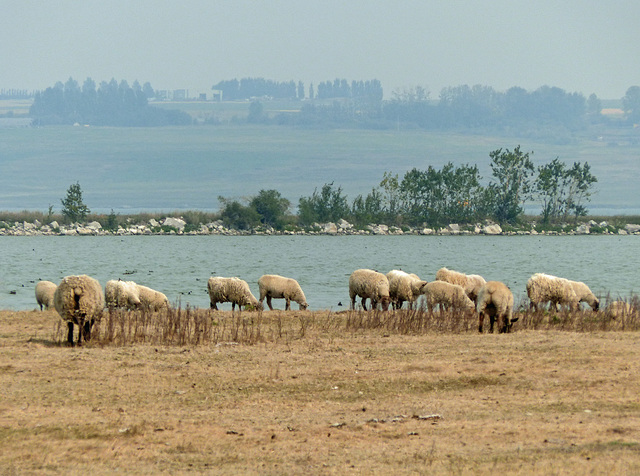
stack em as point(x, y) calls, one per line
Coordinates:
point(620, 309)
point(404, 287)
point(447, 295)
point(543, 288)
point(233, 290)
point(585, 295)
point(122, 294)
point(274, 286)
point(495, 300)
point(370, 284)
point(44, 294)
point(151, 299)
point(471, 283)
point(79, 300)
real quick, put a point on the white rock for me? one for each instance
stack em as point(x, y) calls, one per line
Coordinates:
point(632, 228)
point(492, 229)
point(175, 223)
point(582, 230)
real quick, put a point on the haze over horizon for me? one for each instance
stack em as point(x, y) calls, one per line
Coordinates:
point(579, 46)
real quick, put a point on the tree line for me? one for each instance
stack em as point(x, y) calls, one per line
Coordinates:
point(431, 197)
point(434, 197)
point(109, 104)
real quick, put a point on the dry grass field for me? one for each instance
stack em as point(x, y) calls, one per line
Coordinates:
point(319, 393)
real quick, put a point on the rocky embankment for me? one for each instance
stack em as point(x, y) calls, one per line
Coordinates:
point(177, 226)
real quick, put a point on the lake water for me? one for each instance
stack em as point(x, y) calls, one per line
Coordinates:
point(179, 266)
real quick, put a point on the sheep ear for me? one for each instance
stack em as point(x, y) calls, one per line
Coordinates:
point(514, 319)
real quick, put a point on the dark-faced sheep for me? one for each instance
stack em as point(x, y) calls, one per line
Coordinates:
point(79, 300)
point(495, 301)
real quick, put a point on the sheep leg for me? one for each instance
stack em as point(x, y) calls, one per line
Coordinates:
point(480, 322)
point(87, 330)
point(269, 303)
point(214, 305)
point(70, 333)
point(364, 306)
point(492, 320)
point(287, 306)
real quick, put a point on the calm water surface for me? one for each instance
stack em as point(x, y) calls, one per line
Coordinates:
point(179, 266)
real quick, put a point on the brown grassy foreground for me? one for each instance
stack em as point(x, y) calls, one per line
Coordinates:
point(319, 393)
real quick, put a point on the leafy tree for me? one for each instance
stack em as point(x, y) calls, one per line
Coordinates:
point(631, 103)
point(328, 205)
point(439, 196)
point(550, 186)
point(111, 223)
point(513, 171)
point(238, 216)
point(272, 208)
point(594, 105)
point(580, 183)
point(256, 112)
point(563, 190)
point(72, 205)
point(369, 209)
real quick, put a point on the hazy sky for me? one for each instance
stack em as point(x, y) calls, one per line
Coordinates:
point(580, 46)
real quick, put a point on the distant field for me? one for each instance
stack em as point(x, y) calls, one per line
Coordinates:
point(164, 169)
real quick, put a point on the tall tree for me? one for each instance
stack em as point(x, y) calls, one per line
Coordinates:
point(72, 205)
point(512, 171)
point(272, 208)
point(631, 104)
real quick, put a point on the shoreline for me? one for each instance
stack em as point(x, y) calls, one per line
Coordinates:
point(176, 226)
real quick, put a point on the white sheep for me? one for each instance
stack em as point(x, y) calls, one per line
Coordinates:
point(233, 290)
point(404, 287)
point(122, 294)
point(44, 294)
point(585, 295)
point(471, 283)
point(446, 295)
point(495, 300)
point(369, 284)
point(543, 288)
point(278, 287)
point(620, 309)
point(151, 299)
point(79, 300)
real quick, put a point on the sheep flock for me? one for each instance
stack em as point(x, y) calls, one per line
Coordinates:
point(80, 300)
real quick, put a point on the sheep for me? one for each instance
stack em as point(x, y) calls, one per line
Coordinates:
point(370, 284)
point(542, 288)
point(471, 283)
point(446, 295)
point(274, 286)
point(233, 290)
point(122, 294)
point(620, 309)
point(151, 299)
point(585, 295)
point(404, 287)
point(495, 300)
point(44, 294)
point(79, 300)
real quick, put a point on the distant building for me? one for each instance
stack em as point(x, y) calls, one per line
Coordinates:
point(180, 94)
point(216, 95)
